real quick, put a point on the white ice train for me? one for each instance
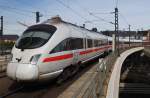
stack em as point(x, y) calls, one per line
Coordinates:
point(53, 49)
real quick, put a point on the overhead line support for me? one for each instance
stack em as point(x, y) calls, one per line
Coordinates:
point(1, 35)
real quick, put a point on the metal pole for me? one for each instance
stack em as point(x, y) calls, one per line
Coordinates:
point(142, 38)
point(1, 25)
point(37, 17)
point(129, 35)
point(113, 43)
point(1, 35)
point(148, 38)
point(117, 31)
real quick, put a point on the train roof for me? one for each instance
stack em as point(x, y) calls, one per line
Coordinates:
point(58, 20)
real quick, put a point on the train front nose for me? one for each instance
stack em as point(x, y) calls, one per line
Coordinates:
point(22, 72)
point(27, 72)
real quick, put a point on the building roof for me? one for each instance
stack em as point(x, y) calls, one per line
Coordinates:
point(126, 33)
point(10, 37)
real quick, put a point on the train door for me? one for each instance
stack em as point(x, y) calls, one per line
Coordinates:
point(75, 57)
point(83, 55)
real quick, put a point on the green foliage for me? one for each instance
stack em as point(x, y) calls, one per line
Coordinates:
point(6, 45)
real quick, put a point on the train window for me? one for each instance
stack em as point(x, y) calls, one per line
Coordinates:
point(69, 44)
point(35, 36)
point(96, 43)
point(99, 42)
point(89, 42)
point(110, 42)
point(103, 42)
point(62, 46)
point(76, 43)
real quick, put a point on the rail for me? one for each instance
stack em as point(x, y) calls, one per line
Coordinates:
point(134, 88)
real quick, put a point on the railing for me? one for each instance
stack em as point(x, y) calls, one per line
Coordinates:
point(96, 84)
point(113, 86)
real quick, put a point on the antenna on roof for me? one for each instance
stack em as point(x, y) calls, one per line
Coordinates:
point(83, 25)
point(94, 29)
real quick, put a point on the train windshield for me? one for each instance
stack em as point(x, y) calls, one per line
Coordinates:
point(35, 36)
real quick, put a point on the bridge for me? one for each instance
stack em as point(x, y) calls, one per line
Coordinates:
point(104, 79)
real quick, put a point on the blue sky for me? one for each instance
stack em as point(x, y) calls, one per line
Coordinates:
point(134, 12)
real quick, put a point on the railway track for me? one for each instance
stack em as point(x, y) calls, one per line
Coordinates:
point(134, 88)
point(2, 75)
point(135, 77)
point(11, 92)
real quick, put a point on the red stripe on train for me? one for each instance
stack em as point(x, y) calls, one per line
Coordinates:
point(67, 56)
point(57, 58)
point(86, 51)
point(93, 50)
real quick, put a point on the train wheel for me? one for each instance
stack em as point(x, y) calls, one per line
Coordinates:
point(68, 72)
point(74, 69)
point(65, 74)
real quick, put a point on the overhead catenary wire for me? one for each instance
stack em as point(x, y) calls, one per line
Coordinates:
point(93, 14)
point(116, 3)
point(102, 19)
point(14, 8)
point(102, 12)
point(124, 18)
point(15, 12)
point(24, 2)
point(74, 11)
point(82, 7)
point(85, 9)
point(23, 10)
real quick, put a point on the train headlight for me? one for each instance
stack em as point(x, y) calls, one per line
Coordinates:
point(34, 59)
